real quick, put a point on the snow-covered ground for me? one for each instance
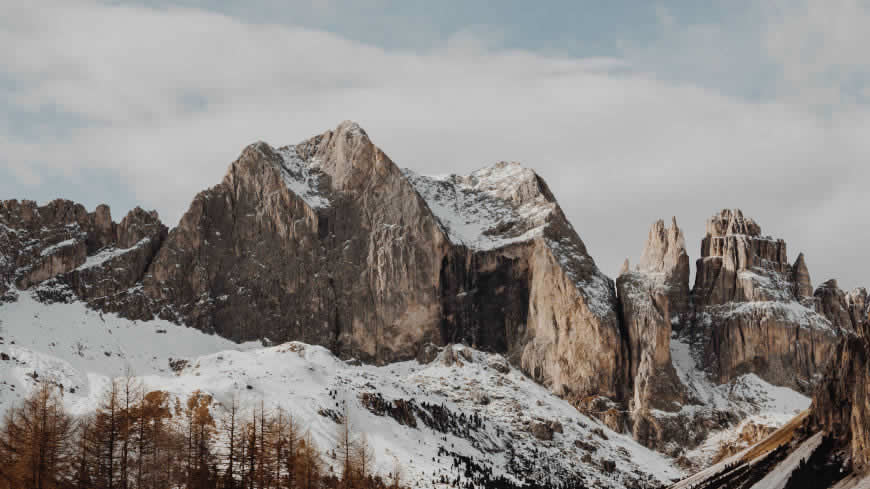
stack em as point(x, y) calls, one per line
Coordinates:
point(82, 350)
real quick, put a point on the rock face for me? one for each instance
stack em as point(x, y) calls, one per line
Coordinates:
point(845, 310)
point(518, 279)
point(753, 307)
point(88, 251)
point(841, 404)
point(652, 298)
point(801, 279)
point(325, 242)
point(329, 242)
point(738, 264)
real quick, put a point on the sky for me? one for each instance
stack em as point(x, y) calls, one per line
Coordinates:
point(632, 111)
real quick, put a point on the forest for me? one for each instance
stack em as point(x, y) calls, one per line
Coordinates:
point(139, 439)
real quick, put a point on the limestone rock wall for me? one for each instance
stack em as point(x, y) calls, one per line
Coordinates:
point(353, 265)
point(652, 298)
point(752, 308)
point(330, 243)
point(841, 403)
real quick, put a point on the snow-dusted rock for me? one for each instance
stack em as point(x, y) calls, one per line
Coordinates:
point(751, 311)
point(652, 298)
point(330, 243)
point(96, 257)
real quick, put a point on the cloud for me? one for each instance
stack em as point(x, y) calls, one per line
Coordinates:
point(166, 98)
point(820, 48)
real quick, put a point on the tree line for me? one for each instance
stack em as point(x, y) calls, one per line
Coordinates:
point(138, 439)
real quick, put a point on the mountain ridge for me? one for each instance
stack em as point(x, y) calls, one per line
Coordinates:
point(330, 243)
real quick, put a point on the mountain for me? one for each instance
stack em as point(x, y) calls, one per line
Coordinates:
point(825, 446)
point(418, 413)
point(471, 292)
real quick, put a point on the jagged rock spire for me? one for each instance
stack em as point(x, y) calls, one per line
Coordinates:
point(665, 252)
point(801, 278)
point(731, 222)
point(733, 245)
point(626, 266)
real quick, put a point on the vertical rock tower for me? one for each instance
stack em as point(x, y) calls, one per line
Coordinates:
point(652, 298)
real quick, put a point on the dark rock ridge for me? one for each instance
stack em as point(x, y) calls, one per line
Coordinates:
point(841, 403)
point(100, 260)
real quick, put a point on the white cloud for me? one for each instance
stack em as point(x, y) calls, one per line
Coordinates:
point(173, 95)
point(821, 49)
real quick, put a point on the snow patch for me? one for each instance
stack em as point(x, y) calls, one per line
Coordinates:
point(491, 208)
point(55, 247)
point(301, 178)
point(107, 254)
point(791, 311)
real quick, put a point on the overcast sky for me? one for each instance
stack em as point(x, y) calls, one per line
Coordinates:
point(632, 111)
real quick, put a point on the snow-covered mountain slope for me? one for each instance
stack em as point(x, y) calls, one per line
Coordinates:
point(464, 402)
point(759, 406)
point(82, 348)
point(490, 208)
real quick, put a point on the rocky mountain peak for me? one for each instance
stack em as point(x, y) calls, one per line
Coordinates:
point(845, 310)
point(625, 268)
point(652, 298)
point(665, 252)
point(730, 222)
point(801, 278)
point(62, 242)
point(492, 207)
point(859, 309)
point(739, 264)
point(347, 156)
point(376, 263)
point(745, 289)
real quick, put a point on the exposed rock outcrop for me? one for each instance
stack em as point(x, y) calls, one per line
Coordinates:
point(748, 312)
point(329, 242)
point(841, 404)
point(831, 303)
point(88, 251)
point(858, 303)
point(652, 298)
point(801, 278)
point(738, 264)
point(325, 242)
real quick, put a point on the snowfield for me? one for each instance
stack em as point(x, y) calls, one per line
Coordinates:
point(82, 350)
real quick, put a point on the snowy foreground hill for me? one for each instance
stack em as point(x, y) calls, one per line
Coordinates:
point(82, 350)
point(524, 430)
